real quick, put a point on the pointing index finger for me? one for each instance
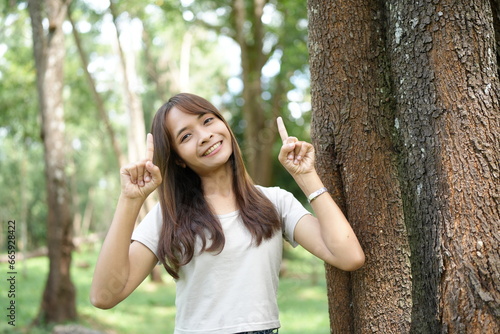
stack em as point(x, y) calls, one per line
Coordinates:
point(282, 129)
point(149, 147)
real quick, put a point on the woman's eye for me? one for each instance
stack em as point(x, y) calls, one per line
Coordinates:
point(185, 137)
point(208, 120)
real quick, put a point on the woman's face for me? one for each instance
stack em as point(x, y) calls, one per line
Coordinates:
point(203, 141)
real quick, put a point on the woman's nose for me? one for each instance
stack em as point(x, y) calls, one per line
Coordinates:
point(205, 137)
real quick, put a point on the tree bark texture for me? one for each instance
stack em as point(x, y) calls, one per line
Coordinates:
point(406, 125)
point(444, 70)
point(495, 9)
point(352, 119)
point(58, 302)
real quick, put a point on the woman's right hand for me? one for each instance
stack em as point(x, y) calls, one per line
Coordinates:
point(140, 179)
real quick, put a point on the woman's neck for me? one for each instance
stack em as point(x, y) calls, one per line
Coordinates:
point(218, 190)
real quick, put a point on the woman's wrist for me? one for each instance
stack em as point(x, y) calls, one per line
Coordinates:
point(309, 182)
point(130, 202)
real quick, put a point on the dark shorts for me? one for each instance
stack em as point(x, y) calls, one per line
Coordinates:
point(265, 331)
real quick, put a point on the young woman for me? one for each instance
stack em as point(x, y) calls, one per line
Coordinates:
point(219, 235)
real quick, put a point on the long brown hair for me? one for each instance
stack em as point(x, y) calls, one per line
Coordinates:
point(186, 214)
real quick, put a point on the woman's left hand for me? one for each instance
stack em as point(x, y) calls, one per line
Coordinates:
point(296, 156)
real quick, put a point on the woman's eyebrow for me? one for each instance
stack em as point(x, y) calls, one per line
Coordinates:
point(184, 128)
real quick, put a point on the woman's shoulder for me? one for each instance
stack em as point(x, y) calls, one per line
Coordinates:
point(154, 216)
point(274, 194)
point(268, 190)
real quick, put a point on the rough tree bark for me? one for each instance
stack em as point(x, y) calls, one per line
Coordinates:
point(58, 301)
point(446, 86)
point(495, 9)
point(406, 123)
point(351, 129)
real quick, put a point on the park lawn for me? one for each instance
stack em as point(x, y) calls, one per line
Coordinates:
point(301, 297)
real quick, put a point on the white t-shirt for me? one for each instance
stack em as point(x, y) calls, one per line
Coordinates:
point(235, 290)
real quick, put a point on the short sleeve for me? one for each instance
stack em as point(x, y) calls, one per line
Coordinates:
point(289, 209)
point(148, 230)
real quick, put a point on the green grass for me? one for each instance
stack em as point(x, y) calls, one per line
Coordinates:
point(301, 297)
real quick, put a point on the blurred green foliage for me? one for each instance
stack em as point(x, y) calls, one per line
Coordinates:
point(92, 167)
point(91, 163)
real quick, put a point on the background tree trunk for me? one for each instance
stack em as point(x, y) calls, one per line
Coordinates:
point(415, 83)
point(151, 67)
point(264, 94)
point(58, 302)
point(103, 115)
point(185, 62)
point(136, 132)
point(259, 137)
point(137, 128)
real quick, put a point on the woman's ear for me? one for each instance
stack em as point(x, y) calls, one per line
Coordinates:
point(181, 163)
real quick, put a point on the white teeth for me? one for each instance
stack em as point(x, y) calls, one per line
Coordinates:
point(211, 149)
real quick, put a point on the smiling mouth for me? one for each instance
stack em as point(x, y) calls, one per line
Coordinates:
point(212, 148)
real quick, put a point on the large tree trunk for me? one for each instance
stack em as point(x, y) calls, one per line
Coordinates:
point(446, 86)
point(58, 302)
point(442, 116)
point(351, 130)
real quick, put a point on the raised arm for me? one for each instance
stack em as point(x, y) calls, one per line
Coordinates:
point(329, 235)
point(123, 265)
